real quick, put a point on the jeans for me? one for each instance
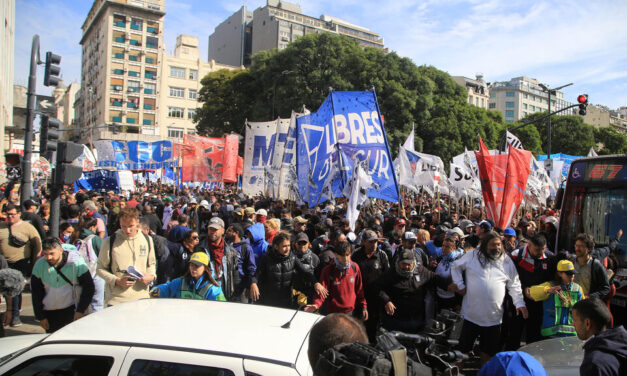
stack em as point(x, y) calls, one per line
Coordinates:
point(97, 302)
point(25, 268)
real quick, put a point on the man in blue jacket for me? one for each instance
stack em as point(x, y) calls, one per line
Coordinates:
point(257, 237)
point(246, 267)
point(605, 350)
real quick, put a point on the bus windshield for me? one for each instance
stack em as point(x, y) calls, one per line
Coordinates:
point(597, 211)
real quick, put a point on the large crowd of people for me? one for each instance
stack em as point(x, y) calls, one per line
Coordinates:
point(397, 269)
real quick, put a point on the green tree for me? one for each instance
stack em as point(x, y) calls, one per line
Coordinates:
point(280, 82)
point(611, 140)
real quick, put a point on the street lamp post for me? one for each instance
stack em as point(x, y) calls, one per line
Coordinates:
point(549, 92)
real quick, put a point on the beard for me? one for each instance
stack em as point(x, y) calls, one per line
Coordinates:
point(494, 254)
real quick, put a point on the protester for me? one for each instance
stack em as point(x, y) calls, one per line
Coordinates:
point(30, 215)
point(605, 349)
point(125, 248)
point(55, 275)
point(197, 283)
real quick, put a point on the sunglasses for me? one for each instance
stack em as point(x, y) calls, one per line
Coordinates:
point(195, 237)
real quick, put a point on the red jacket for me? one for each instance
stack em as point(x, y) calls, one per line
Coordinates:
point(346, 292)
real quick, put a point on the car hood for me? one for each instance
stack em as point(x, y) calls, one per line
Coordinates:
point(558, 356)
point(9, 345)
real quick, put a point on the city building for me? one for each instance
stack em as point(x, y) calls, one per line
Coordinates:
point(602, 116)
point(7, 42)
point(478, 92)
point(122, 46)
point(180, 84)
point(64, 100)
point(275, 25)
point(522, 96)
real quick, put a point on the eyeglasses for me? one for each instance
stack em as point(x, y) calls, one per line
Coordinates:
point(195, 237)
point(12, 214)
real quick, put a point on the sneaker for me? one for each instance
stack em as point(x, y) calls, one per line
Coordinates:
point(16, 322)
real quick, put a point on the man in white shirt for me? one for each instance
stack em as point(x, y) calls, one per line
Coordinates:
point(487, 272)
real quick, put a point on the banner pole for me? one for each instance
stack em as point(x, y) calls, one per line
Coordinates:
point(387, 147)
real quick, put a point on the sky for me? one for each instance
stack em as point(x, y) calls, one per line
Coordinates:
point(556, 42)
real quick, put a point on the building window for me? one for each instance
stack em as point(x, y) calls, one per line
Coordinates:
point(524, 113)
point(509, 93)
point(482, 103)
point(177, 72)
point(193, 94)
point(492, 95)
point(136, 24)
point(133, 86)
point(492, 105)
point(193, 74)
point(509, 104)
point(177, 92)
point(525, 106)
point(525, 95)
point(509, 113)
point(191, 112)
point(152, 42)
point(532, 107)
point(175, 112)
point(150, 88)
point(175, 132)
point(469, 100)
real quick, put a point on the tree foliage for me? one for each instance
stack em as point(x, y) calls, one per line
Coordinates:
point(280, 82)
point(610, 141)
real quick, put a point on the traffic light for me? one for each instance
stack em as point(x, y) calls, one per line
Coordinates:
point(53, 70)
point(583, 103)
point(49, 136)
point(65, 172)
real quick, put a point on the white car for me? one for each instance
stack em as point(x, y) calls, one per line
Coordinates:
point(170, 337)
point(559, 356)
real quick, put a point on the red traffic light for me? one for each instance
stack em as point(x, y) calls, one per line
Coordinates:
point(583, 98)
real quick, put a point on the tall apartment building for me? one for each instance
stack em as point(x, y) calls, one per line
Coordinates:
point(122, 46)
point(7, 42)
point(522, 96)
point(275, 25)
point(180, 84)
point(477, 89)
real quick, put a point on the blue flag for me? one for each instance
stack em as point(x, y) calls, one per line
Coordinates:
point(97, 180)
point(346, 128)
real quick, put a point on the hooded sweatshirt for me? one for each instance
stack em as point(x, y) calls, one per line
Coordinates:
point(258, 241)
point(606, 353)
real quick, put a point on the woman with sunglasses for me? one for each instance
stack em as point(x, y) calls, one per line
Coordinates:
point(197, 283)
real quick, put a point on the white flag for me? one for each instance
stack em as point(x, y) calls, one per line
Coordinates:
point(592, 153)
point(514, 141)
point(409, 143)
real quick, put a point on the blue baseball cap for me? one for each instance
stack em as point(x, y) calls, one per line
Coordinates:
point(509, 232)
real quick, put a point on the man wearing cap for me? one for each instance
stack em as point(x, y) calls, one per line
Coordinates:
point(558, 298)
point(535, 265)
point(403, 290)
point(301, 248)
point(482, 228)
point(482, 277)
point(509, 240)
point(418, 222)
point(249, 217)
point(224, 258)
point(300, 224)
point(409, 243)
point(262, 214)
point(396, 236)
point(373, 263)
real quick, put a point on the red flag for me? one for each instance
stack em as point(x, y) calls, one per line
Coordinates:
point(240, 165)
point(503, 182)
point(231, 146)
point(202, 158)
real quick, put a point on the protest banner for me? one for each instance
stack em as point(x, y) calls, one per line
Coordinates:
point(134, 155)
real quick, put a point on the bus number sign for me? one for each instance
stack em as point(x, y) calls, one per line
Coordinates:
point(604, 172)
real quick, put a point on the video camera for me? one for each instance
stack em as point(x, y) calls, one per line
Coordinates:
point(398, 353)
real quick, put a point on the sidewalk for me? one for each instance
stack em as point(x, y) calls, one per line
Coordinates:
point(29, 324)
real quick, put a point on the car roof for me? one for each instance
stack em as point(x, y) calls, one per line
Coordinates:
point(246, 330)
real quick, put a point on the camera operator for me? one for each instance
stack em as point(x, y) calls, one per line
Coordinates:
point(334, 329)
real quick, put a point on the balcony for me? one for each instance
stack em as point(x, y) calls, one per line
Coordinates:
point(148, 91)
point(131, 105)
point(130, 120)
point(116, 103)
point(136, 26)
point(133, 58)
point(116, 87)
point(152, 76)
point(151, 45)
point(152, 30)
point(118, 71)
point(132, 89)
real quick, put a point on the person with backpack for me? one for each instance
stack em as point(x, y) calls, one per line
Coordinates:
point(343, 284)
point(197, 283)
point(53, 283)
point(125, 248)
point(88, 246)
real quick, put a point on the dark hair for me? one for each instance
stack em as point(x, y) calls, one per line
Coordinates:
point(73, 211)
point(50, 243)
point(89, 222)
point(279, 238)
point(238, 229)
point(538, 240)
point(188, 235)
point(483, 246)
point(144, 222)
point(334, 329)
point(595, 310)
point(65, 225)
point(587, 240)
point(8, 207)
point(341, 248)
point(183, 219)
point(335, 234)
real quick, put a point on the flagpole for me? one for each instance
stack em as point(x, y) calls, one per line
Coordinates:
point(337, 143)
point(387, 146)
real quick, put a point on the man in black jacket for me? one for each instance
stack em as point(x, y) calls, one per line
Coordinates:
point(605, 350)
point(30, 215)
